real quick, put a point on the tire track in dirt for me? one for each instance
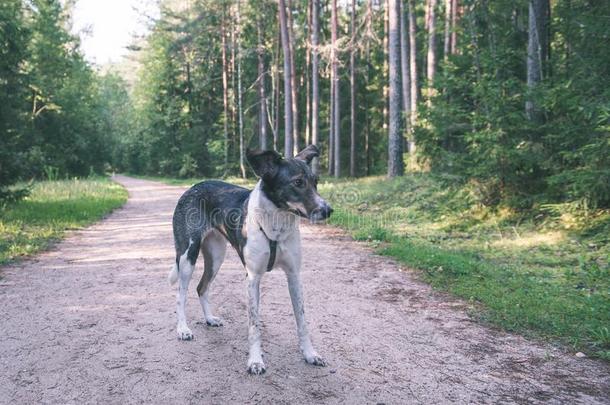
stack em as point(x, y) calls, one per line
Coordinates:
point(93, 320)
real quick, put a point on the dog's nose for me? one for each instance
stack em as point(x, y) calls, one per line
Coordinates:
point(322, 212)
point(326, 211)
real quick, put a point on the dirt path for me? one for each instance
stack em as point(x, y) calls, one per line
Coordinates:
point(93, 321)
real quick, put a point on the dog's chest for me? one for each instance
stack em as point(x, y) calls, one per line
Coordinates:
point(276, 229)
point(275, 224)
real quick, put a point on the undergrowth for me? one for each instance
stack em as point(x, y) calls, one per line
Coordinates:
point(543, 271)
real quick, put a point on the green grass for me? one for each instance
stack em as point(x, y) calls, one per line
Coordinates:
point(543, 272)
point(53, 207)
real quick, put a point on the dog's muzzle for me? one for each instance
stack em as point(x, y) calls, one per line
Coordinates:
point(321, 213)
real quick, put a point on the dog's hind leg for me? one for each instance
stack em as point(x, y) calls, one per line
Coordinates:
point(186, 265)
point(213, 248)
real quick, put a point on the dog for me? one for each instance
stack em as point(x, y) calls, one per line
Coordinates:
point(262, 225)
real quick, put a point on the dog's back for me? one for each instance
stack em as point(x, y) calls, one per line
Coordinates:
point(211, 204)
point(206, 216)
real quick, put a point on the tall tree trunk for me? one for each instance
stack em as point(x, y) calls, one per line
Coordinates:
point(315, 79)
point(288, 118)
point(431, 57)
point(307, 77)
point(262, 99)
point(232, 92)
point(240, 111)
point(293, 78)
point(331, 129)
point(447, 39)
point(404, 69)
point(352, 86)
point(385, 96)
point(537, 52)
point(336, 91)
point(413, 70)
point(395, 163)
point(225, 98)
point(276, 93)
point(367, 130)
point(454, 19)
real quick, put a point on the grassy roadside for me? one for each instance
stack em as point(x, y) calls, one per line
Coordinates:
point(542, 273)
point(53, 207)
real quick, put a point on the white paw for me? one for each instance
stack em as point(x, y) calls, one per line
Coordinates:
point(315, 360)
point(184, 333)
point(256, 367)
point(213, 321)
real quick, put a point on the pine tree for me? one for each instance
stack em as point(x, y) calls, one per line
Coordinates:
point(395, 162)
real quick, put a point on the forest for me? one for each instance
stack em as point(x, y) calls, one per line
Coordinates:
point(509, 97)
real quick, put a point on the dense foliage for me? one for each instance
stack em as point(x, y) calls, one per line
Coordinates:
point(196, 100)
point(477, 127)
point(178, 96)
point(53, 105)
point(474, 125)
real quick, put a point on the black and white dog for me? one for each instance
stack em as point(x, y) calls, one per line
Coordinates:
point(263, 227)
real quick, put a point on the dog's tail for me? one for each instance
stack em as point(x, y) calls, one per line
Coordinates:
point(173, 275)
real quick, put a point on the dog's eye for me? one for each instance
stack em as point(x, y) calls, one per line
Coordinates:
point(299, 183)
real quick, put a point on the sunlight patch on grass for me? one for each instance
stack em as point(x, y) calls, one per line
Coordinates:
point(531, 240)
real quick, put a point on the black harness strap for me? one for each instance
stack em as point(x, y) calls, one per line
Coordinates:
point(272, 251)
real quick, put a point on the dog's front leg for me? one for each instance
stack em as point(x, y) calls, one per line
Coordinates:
point(296, 296)
point(255, 357)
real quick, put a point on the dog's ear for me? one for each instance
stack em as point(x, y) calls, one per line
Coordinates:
point(307, 154)
point(264, 162)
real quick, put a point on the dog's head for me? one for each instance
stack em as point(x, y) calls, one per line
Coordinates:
point(289, 183)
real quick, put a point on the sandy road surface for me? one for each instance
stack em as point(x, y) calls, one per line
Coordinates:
point(93, 321)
